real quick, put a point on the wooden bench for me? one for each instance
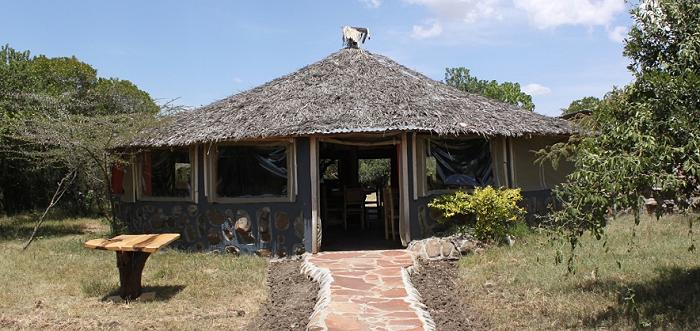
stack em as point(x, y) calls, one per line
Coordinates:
point(132, 253)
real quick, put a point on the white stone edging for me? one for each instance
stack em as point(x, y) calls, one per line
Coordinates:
point(324, 278)
point(414, 298)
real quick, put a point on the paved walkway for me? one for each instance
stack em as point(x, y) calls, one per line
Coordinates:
point(366, 290)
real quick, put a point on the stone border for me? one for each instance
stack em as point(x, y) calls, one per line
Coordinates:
point(444, 248)
point(414, 299)
point(324, 278)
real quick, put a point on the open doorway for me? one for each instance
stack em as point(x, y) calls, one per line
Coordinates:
point(359, 196)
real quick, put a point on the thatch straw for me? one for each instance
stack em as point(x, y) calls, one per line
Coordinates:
point(351, 91)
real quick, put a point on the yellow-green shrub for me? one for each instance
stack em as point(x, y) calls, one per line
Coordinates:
point(491, 212)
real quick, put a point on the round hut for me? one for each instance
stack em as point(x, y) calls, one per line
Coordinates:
point(282, 168)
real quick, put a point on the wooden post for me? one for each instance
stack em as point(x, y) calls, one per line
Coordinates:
point(130, 266)
point(404, 214)
point(314, 174)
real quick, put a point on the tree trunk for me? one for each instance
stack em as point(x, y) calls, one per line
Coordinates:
point(130, 270)
point(60, 190)
point(106, 175)
point(111, 216)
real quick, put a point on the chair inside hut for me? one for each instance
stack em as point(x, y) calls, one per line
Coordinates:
point(359, 200)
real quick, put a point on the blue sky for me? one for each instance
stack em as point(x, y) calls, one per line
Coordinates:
point(202, 51)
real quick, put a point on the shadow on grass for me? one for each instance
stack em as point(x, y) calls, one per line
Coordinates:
point(20, 227)
point(163, 293)
point(671, 301)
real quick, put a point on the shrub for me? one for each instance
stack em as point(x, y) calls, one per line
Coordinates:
point(493, 213)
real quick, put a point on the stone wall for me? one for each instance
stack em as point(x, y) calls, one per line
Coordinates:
point(268, 229)
point(264, 229)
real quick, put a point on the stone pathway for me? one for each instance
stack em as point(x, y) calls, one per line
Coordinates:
point(366, 290)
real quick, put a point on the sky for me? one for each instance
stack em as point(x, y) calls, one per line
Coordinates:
point(198, 52)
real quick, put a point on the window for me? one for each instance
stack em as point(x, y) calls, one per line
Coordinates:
point(246, 171)
point(452, 163)
point(166, 173)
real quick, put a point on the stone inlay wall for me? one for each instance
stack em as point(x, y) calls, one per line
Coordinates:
point(263, 229)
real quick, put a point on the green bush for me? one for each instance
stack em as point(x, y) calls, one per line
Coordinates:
point(493, 213)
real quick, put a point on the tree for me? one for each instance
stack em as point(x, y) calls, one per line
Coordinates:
point(506, 92)
point(86, 145)
point(37, 89)
point(643, 140)
point(374, 171)
point(583, 104)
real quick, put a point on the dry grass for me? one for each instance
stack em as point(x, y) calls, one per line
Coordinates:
point(520, 287)
point(57, 284)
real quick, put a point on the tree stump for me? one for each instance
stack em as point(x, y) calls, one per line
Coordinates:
point(130, 266)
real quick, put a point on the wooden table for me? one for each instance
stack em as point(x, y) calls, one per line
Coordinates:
point(132, 253)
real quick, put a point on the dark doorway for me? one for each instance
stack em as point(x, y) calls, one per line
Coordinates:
point(354, 209)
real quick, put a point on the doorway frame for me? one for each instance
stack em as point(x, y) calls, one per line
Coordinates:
point(404, 211)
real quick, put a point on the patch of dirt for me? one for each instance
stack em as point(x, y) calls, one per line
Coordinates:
point(438, 284)
point(290, 301)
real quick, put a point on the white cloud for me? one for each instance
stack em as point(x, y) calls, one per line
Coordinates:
point(536, 89)
point(469, 11)
point(427, 31)
point(372, 3)
point(237, 80)
point(458, 18)
point(549, 14)
point(618, 34)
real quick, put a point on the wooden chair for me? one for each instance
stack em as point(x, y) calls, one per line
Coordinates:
point(372, 206)
point(354, 203)
point(390, 214)
point(331, 205)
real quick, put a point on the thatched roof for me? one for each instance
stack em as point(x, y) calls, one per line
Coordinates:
point(351, 91)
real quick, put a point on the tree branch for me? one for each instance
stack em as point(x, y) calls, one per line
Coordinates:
point(60, 190)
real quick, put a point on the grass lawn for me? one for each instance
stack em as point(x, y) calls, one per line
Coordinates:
point(657, 279)
point(58, 284)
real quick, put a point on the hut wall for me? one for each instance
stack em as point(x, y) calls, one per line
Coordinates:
point(277, 229)
point(535, 180)
point(499, 161)
point(530, 175)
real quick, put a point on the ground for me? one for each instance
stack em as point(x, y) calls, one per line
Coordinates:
point(650, 279)
point(57, 284)
point(656, 283)
point(291, 299)
point(436, 282)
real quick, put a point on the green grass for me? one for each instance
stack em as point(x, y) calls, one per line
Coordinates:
point(58, 284)
point(650, 279)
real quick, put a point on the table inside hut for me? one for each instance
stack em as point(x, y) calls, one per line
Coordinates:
point(132, 253)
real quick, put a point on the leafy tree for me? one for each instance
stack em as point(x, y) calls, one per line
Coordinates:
point(507, 92)
point(374, 171)
point(586, 103)
point(644, 139)
point(43, 92)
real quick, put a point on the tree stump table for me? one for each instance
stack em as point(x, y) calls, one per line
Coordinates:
point(132, 253)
